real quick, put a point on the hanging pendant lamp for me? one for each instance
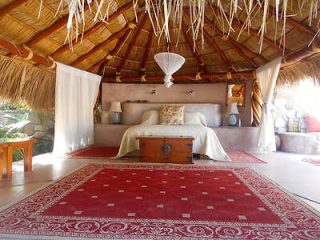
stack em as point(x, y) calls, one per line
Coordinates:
point(169, 64)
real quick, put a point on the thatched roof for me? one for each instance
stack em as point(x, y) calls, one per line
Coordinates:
point(307, 68)
point(123, 46)
point(20, 81)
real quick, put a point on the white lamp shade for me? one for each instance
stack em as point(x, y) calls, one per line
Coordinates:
point(115, 107)
point(233, 108)
point(169, 64)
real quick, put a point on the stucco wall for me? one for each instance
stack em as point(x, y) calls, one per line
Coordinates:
point(203, 93)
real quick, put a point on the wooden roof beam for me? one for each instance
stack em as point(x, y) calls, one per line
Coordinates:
point(48, 31)
point(104, 44)
point(304, 53)
point(294, 23)
point(24, 53)
point(105, 61)
point(100, 46)
point(9, 7)
point(236, 46)
point(193, 48)
point(213, 44)
point(132, 43)
point(248, 75)
point(92, 30)
point(146, 51)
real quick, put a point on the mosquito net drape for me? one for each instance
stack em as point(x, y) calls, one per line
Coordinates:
point(267, 77)
point(76, 93)
point(169, 64)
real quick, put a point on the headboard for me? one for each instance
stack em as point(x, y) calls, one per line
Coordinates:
point(132, 112)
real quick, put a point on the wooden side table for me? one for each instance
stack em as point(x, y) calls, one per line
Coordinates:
point(6, 156)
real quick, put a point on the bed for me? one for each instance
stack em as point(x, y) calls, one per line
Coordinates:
point(205, 140)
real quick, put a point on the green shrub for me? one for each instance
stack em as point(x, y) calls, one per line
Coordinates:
point(18, 155)
point(13, 106)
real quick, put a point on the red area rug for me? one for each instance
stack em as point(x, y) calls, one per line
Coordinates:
point(107, 152)
point(312, 161)
point(96, 152)
point(160, 202)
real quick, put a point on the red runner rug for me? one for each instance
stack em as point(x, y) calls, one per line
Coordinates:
point(107, 152)
point(243, 157)
point(312, 161)
point(160, 202)
point(96, 152)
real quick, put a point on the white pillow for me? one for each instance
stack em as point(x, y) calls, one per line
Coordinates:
point(150, 117)
point(195, 118)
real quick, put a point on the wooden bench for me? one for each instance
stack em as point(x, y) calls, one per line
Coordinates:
point(6, 156)
point(161, 149)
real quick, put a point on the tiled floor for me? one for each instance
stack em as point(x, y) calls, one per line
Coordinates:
point(286, 170)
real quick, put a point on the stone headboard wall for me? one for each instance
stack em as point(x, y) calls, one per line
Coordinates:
point(202, 93)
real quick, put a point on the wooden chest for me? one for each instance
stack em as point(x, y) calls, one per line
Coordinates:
point(159, 149)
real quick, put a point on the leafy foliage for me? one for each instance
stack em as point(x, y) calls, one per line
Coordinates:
point(14, 106)
point(13, 131)
point(44, 145)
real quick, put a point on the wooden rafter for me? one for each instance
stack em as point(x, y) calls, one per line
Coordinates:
point(236, 46)
point(92, 30)
point(213, 44)
point(132, 43)
point(146, 51)
point(297, 25)
point(48, 31)
point(9, 7)
point(100, 65)
point(254, 33)
point(24, 53)
point(193, 48)
point(100, 46)
point(304, 53)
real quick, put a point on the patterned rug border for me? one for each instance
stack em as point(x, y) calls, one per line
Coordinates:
point(157, 166)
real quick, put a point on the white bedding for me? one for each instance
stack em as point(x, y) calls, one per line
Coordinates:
point(205, 140)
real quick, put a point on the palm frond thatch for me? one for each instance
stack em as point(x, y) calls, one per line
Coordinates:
point(20, 81)
point(294, 73)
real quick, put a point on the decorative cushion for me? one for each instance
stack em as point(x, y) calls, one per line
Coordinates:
point(195, 118)
point(313, 123)
point(150, 117)
point(172, 114)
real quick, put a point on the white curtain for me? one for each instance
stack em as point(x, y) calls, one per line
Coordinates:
point(76, 93)
point(267, 77)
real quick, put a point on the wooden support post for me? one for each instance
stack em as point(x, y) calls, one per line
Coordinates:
point(256, 103)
